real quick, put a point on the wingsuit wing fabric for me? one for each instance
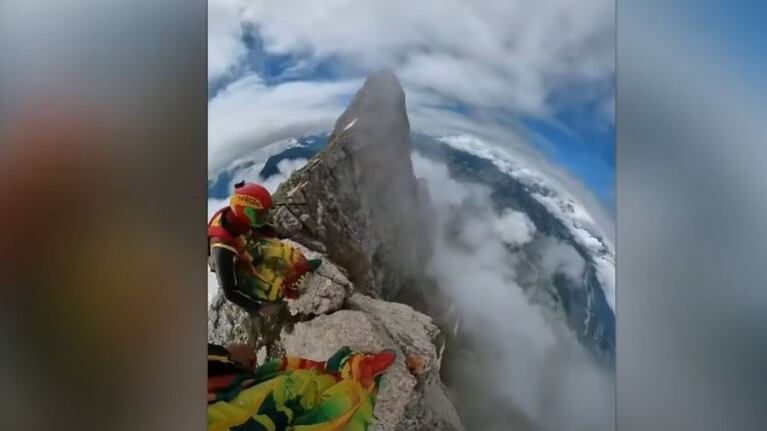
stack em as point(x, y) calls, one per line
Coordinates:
point(345, 406)
point(276, 269)
point(295, 394)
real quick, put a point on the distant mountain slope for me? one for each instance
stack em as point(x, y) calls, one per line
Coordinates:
point(585, 302)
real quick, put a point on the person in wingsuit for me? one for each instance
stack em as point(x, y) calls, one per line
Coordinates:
point(253, 267)
point(294, 394)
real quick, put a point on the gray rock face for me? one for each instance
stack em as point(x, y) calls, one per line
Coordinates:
point(414, 332)
point(358, 199)
point(228, 323)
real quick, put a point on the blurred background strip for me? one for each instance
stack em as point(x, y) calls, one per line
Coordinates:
point(102, 188)
point(691, 214)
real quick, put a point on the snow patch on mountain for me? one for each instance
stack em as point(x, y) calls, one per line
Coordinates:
point(350, 125)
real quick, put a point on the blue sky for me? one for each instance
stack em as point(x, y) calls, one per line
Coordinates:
point(582, 140)
point(531, 76)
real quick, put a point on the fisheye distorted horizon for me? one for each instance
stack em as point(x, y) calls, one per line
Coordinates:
point(520, 98)
point(532, 78)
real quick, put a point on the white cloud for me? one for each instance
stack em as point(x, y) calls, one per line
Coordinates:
point(529, 356)
point(286, 168)
point(514, 227)
point(558, 257)
point(225, 47)
point(445, 191)
point(248, 115)
point(488, 52)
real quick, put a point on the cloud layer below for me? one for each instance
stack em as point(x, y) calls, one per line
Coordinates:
point(525, 355)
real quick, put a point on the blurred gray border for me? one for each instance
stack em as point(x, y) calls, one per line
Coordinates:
point(691, 214)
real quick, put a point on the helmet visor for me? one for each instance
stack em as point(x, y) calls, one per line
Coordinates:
point(257, 217)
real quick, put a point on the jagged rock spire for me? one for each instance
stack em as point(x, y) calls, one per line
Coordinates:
point(358, 200)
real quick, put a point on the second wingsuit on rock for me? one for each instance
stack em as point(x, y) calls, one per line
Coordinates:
point(291, 393)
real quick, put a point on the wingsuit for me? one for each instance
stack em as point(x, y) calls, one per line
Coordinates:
point(294, 394)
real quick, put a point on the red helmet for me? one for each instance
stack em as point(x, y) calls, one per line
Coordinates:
point(251, 203)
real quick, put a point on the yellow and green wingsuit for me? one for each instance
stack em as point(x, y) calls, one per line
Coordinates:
point(299, 394)
point(274, 270)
